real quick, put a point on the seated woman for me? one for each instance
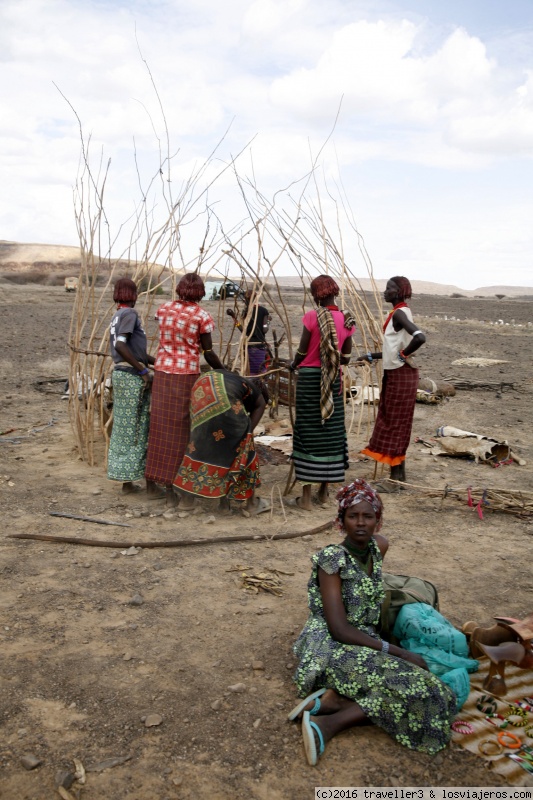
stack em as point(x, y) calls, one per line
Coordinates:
point(352, 674)
point(220, 461)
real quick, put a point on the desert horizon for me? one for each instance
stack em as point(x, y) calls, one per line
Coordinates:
point(25, 256)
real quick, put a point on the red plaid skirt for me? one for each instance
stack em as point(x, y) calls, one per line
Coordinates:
point(392, 431)
point(169, 425)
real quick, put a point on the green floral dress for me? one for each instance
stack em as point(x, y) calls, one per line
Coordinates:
point(411, 704)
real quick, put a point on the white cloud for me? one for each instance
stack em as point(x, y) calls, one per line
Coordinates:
point(421, 104)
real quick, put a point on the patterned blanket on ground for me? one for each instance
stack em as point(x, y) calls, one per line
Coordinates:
point(519, 685)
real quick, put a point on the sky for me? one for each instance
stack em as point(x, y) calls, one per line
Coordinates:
point(417, 116)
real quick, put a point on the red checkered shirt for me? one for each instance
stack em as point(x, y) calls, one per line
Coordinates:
point(180, 325)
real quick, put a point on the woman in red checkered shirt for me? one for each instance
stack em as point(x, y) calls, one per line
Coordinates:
point(184, 330)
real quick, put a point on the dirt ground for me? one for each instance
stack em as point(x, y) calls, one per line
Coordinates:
point(83, 668)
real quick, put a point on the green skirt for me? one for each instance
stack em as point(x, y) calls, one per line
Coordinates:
point(320, 449)
point(126, 459)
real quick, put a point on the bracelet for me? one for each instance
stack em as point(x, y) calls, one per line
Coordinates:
point(416, 333)
point(142, 372)
point(459, 726)
point(301, 354)
point(369, 357)
point(384, 647)
point(515, 741)
point(529, 731)
point(487, 705)
point(209, 350)
point(482, 747)
point(402, 356)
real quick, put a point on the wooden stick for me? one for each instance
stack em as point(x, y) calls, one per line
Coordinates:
point(249, 537)
point(89, 519)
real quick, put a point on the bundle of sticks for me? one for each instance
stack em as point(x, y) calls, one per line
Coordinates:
point(515, 502)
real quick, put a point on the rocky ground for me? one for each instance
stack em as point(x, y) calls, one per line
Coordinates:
point(158, 659)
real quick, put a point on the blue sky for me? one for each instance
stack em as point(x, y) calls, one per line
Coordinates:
point(433, 144)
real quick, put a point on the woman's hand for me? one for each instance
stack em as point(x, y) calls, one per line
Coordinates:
point(414, 658)
point(367, 357)
point(230, 312)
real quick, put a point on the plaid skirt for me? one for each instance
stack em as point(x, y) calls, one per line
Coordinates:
point(320, 449)
point(392, 431)
point(126, 457)
point(169, 425)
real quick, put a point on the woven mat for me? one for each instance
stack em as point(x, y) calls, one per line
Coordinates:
point(519, 685)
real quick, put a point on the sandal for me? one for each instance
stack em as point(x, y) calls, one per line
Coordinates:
point(297, 710)
point(309, 729)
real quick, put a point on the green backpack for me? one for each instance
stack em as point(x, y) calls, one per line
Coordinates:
point(402, 589)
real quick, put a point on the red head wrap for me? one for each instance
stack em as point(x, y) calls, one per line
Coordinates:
point(351, 495)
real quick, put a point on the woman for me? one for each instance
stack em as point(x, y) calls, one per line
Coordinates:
point(184, 329)
point(320, 450)
point(221, 462)
point(401, 338)
point(257, 329)
point(354, 675)
point(131, 381)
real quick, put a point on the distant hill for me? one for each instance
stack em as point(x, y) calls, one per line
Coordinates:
point(19, 257)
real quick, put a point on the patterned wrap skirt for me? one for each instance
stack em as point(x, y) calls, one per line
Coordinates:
point(220, 460)
point(169, 425)
point(320, 449)
point(392, 430)
point(126, 458)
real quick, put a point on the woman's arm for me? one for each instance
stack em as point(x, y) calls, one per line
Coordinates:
point(302, 348)
point(399, 321)
point(257, 411)
point(346, 350)
point(126, 355)
point(210, 356)
point(340, 628)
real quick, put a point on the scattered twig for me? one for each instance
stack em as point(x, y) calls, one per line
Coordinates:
point(89, 519)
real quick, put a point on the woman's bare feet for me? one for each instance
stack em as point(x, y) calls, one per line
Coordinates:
point(128, 487)
point(323, 493)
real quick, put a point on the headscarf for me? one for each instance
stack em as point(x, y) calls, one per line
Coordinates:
point(404, 287)
point(354, 493)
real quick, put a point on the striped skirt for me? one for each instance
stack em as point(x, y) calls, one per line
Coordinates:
point(126, 458)
point(320, 450)
point(394, 422)
point(170, 425)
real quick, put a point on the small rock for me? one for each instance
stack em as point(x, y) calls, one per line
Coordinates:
point(152, 720)
point(307, 538)
point(288, 665)
point(127, 656)
point(258, 665)
point(159, 566)
point(198, 510)
point(216, 705)
point(237, 688)
point(136, 513)
point(131, 551)
point(29, 761)
point(168, 515)
point(97, 491)
point(210, 520)
point(245, 513)
point(439, 759)
point(183, 514)
point(64, 779)
point(22, 732)
point(114, 555)
point(257, 723)
point(136, 600)
point(177, 780)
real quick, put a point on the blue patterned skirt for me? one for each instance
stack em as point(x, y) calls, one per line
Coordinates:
point(126, 459)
